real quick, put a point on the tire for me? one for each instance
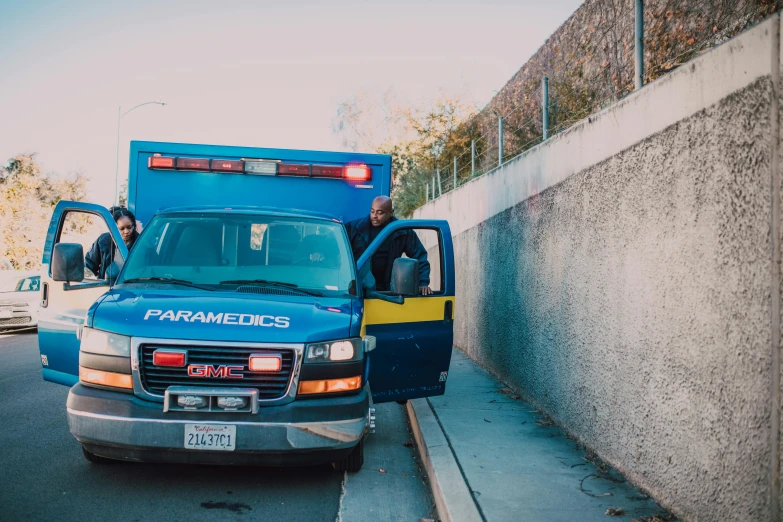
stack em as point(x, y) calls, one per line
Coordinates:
point(353, 462)
point(95, 459)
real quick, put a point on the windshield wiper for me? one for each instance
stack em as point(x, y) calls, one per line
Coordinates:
point(270, 283)
point(256, 281)
point(182, 282)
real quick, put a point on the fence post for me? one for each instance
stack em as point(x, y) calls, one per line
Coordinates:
point(455, 172)
point(545, 106)
point(427, 193)
point(440, 187)
point(500, 141)
point(472, 158)
point(433, 188)
point(639, 45)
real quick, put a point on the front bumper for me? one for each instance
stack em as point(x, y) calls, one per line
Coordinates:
point(123, 426)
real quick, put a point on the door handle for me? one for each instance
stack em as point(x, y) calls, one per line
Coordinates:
point(448, 311)
point(44, 295)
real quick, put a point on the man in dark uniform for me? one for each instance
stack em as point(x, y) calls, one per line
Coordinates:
point(363, 231)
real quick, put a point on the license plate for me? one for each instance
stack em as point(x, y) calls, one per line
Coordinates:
point(6, 315)
point(213, 437)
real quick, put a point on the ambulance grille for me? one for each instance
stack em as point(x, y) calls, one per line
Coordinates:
point(273, 385)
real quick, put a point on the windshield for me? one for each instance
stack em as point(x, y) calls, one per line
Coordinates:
point(224, 250)
point(17, 284)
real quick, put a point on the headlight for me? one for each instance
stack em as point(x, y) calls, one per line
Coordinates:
point(105, 343)
point(343, 350)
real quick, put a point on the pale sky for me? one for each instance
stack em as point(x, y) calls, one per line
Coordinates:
point(256, 73)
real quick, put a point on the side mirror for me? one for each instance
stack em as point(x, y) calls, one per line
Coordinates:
point(405, 277)
point(368, 285)
point(68, 262)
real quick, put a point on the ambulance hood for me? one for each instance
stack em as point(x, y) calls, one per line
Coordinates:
point(222, 316)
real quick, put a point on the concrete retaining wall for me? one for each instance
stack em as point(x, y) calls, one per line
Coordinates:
point(621, 276)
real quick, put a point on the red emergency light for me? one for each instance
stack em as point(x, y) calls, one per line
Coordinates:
point(160, 162)
point(289, 169)
point(325, 171)
point(227, 165)
point(358, 173)
point(169, 358)
point(192, 164)
point(265, 363)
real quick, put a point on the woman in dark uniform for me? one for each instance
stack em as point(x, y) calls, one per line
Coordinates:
point(101, 255)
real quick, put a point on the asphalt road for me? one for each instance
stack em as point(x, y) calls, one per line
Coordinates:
point(43, 475)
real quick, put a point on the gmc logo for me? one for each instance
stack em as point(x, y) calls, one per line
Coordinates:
point(222, 371)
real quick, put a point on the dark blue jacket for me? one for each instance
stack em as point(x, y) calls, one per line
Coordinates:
point(101, 254)
point(402, 242)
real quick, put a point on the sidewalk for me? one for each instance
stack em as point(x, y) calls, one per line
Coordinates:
point(492, 457)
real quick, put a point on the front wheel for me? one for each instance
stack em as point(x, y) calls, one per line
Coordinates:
point(353, 462)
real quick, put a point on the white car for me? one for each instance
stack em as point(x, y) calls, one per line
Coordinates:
point(19, 298)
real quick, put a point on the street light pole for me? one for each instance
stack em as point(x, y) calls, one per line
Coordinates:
point(120, 114)
point(117, 161)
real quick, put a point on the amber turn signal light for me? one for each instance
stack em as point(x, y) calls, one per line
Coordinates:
point(115, 380)
point(330, 386)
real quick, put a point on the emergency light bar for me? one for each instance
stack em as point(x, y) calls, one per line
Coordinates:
point(262, 167)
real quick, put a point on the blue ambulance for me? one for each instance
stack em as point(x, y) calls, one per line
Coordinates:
point(239, 329)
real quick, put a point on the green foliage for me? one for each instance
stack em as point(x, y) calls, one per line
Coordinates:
point(124, 194)
point(27, 198)
point(408, 189)
point(418, 139)
point(442, 132)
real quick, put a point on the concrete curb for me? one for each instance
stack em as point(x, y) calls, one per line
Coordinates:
point(453, 499)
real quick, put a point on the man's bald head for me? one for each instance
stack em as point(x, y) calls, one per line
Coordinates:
point(382, 211)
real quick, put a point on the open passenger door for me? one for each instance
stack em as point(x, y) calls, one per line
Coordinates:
point(64, 305)
point(414, 335)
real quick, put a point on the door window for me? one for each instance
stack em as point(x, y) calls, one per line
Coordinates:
point(85, 228)
point(431, 242)
point(430, 239)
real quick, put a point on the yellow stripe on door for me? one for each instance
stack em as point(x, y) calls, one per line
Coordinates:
point(414, 310)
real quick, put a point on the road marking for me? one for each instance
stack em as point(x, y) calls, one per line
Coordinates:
point(342, 496)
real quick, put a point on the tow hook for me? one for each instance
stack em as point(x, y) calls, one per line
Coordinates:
point(371, 419)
